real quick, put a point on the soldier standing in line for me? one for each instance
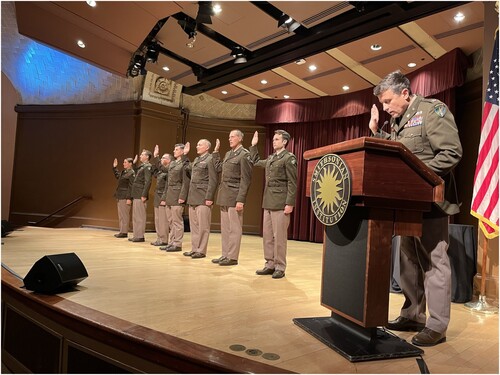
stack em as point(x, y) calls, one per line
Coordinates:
point(140, 193)
point(123, 193)
point(160, 171)
point(278, 201)
point(177, 191)
point(235, 180)
point(200, 198)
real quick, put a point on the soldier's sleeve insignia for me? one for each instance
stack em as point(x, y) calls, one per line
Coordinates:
point(440, 109)
point(293, 161)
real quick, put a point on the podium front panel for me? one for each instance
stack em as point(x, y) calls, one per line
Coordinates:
point(344, 267)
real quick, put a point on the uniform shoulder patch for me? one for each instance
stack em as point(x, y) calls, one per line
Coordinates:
point(293, 161)
point(440, 109)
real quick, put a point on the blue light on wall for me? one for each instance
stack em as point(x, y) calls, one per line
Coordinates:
point(44, 75)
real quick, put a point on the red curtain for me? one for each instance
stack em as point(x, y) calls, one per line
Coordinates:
point(319, 122)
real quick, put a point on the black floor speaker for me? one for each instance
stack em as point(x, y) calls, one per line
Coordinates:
point(55, 273)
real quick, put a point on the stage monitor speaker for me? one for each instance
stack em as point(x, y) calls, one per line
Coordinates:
point(55, 273)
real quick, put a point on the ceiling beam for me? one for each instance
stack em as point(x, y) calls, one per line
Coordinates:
point(347, 27)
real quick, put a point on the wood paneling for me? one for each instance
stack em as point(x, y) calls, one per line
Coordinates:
point(64, 152)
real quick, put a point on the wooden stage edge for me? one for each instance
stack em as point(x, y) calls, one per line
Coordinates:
point(162, 351)
point(145, 310)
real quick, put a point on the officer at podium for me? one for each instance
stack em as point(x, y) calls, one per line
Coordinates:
point(427, 128)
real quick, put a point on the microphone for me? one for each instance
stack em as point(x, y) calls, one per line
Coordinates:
point(383, 126)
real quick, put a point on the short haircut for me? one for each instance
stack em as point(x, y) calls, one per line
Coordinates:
point(206, 141)
point(180, 145)
point(395, 81)
point(284, 134)
point(239, 133)
point(129, 160)
point(148, 153)
point(168, 156)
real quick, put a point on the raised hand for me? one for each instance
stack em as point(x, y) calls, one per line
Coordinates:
point(373, 124)
point(217, 145)
point(255, 138)
point(135, 159)
point(156, 151)
point(187, 147)
point(115, 163)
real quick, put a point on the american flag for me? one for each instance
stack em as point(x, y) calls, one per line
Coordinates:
point(485, 194)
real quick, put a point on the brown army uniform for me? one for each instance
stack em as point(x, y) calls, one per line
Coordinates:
point(236, 175)
point(178, 187)
point(279, 190)
point(140, 188)
point(123, 192)
point(201, 188)
point(161, 220)
point(428, 130)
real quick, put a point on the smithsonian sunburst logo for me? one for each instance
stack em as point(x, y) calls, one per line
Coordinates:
point(330, 189)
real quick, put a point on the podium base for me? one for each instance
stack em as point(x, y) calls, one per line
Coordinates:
point(355, 342)
point(481, 306)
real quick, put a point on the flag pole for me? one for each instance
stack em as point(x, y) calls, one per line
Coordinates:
point(481, 305)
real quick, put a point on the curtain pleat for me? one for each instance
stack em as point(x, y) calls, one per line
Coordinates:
point(314, 123)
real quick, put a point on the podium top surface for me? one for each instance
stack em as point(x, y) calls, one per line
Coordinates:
point(379, 145)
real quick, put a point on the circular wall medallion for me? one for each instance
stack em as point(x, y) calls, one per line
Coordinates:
point(330, 189)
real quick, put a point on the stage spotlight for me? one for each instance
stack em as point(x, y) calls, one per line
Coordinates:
point(188, 27)
point(284, 19)
point(139, 61)
point(239, 55)
point(205, 12)
point(137, 66)
point(288, 23)
point(152, 52)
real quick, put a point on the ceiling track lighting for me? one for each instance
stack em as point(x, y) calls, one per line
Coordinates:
point(288, 23)
point(205, 12)
point(239, 54)
point(152, 52)
point(137, 66)
point(189, 27)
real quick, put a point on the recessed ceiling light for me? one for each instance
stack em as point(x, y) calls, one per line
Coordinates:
point(459, 17)
point(217, 8)
point(345, 88)
point(264, 82)
point(91, 3)
point(300, 61)
point(166, 68)
point(224, 92)
point(286, 96)
point(312, 68)
point(80, 44)
point(412, 65)
point(376, 47)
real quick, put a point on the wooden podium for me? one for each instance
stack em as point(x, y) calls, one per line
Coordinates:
point(390, 190)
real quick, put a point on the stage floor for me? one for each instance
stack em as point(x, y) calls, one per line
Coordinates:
point(222, 306)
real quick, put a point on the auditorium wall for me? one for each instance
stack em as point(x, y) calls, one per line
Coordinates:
point(65, 152)
point(9, 124)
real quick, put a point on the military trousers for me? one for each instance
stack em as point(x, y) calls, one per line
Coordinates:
point(161, 224)
point(139, 218)
point(176, 224)
point(426, 275)
point(231, 227)
point(123, 215)
point(274, 238)
point(200, 219)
